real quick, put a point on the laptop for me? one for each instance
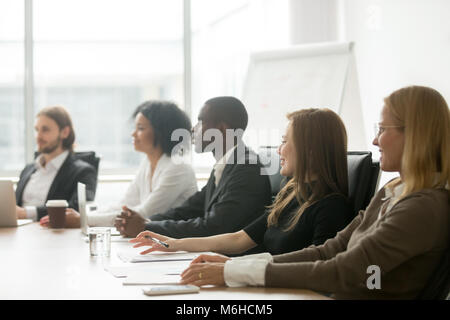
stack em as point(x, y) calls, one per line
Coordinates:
point(82, 209)
point(81, 190)
point(8, 217)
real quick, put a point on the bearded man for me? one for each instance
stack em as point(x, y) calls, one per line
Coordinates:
point(56, 171)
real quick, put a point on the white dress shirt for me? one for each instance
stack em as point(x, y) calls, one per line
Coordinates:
point(170, 185)
point(392, 196)
point(247, 270)
point(220, 165)
point(36, 191)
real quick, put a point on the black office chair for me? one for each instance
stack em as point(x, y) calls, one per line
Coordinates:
point(92, 159)
point(271, 161)
point(89, 157)
point(363, 175)
point(438, 286)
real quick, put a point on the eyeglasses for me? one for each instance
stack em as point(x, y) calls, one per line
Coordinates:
point(379, 129)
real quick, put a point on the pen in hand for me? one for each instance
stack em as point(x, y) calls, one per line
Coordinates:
point(156, 240)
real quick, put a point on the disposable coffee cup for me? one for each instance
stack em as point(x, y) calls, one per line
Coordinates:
point(56, 210)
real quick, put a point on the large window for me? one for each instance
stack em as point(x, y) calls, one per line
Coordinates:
point(101, 59)
point(12, 151)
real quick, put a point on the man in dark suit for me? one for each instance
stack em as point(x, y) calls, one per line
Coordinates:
point(55, 172)
point(237, 190)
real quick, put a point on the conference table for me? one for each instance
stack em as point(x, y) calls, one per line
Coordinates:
point(42, 263)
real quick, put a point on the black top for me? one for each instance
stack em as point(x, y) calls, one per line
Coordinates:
point(239, 198)
point(64, 186)
point(318, 223)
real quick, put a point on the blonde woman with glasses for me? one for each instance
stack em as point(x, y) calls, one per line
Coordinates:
point(390, 250)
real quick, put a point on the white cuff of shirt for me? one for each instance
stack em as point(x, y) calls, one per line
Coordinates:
point(97, 219)
point(247, 270)
point(106, 219)
point(31, 213)
point(257, 256)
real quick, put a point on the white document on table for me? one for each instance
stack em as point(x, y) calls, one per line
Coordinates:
point(127, 256)
point(148, 278)
point(155, 268)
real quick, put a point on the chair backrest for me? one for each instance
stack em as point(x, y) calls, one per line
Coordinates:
point(92, 159)
point(363, 175)
point(438, 286)
point(89, 157)
point(271, 161)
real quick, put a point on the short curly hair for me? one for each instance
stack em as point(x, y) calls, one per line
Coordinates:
point(164, 117)
point(229, 110)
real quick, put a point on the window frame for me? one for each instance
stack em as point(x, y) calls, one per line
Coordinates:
point(113, 175)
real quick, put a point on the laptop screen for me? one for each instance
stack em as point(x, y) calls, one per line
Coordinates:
point(81, 188)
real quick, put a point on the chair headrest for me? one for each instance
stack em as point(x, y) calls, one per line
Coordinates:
point(359, 163)
point(362, 178)
point(89, 157)
point(271, 162)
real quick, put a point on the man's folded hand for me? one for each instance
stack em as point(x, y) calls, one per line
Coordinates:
point(129, 223)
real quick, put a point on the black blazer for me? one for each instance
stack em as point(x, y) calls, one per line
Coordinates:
point(240, 197)
point(64, 186)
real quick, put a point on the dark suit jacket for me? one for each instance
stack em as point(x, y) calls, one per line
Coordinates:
point(240, 197)
point(64, 185)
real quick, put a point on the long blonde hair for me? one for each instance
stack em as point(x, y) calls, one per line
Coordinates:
point(425, 116)
point(320, 143)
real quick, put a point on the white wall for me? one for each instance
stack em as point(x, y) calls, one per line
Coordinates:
point(397, 43)
point(314, 20)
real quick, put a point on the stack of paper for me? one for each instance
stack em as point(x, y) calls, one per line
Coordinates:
point(148, 278)
point(154, 268)
point(127, 256)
